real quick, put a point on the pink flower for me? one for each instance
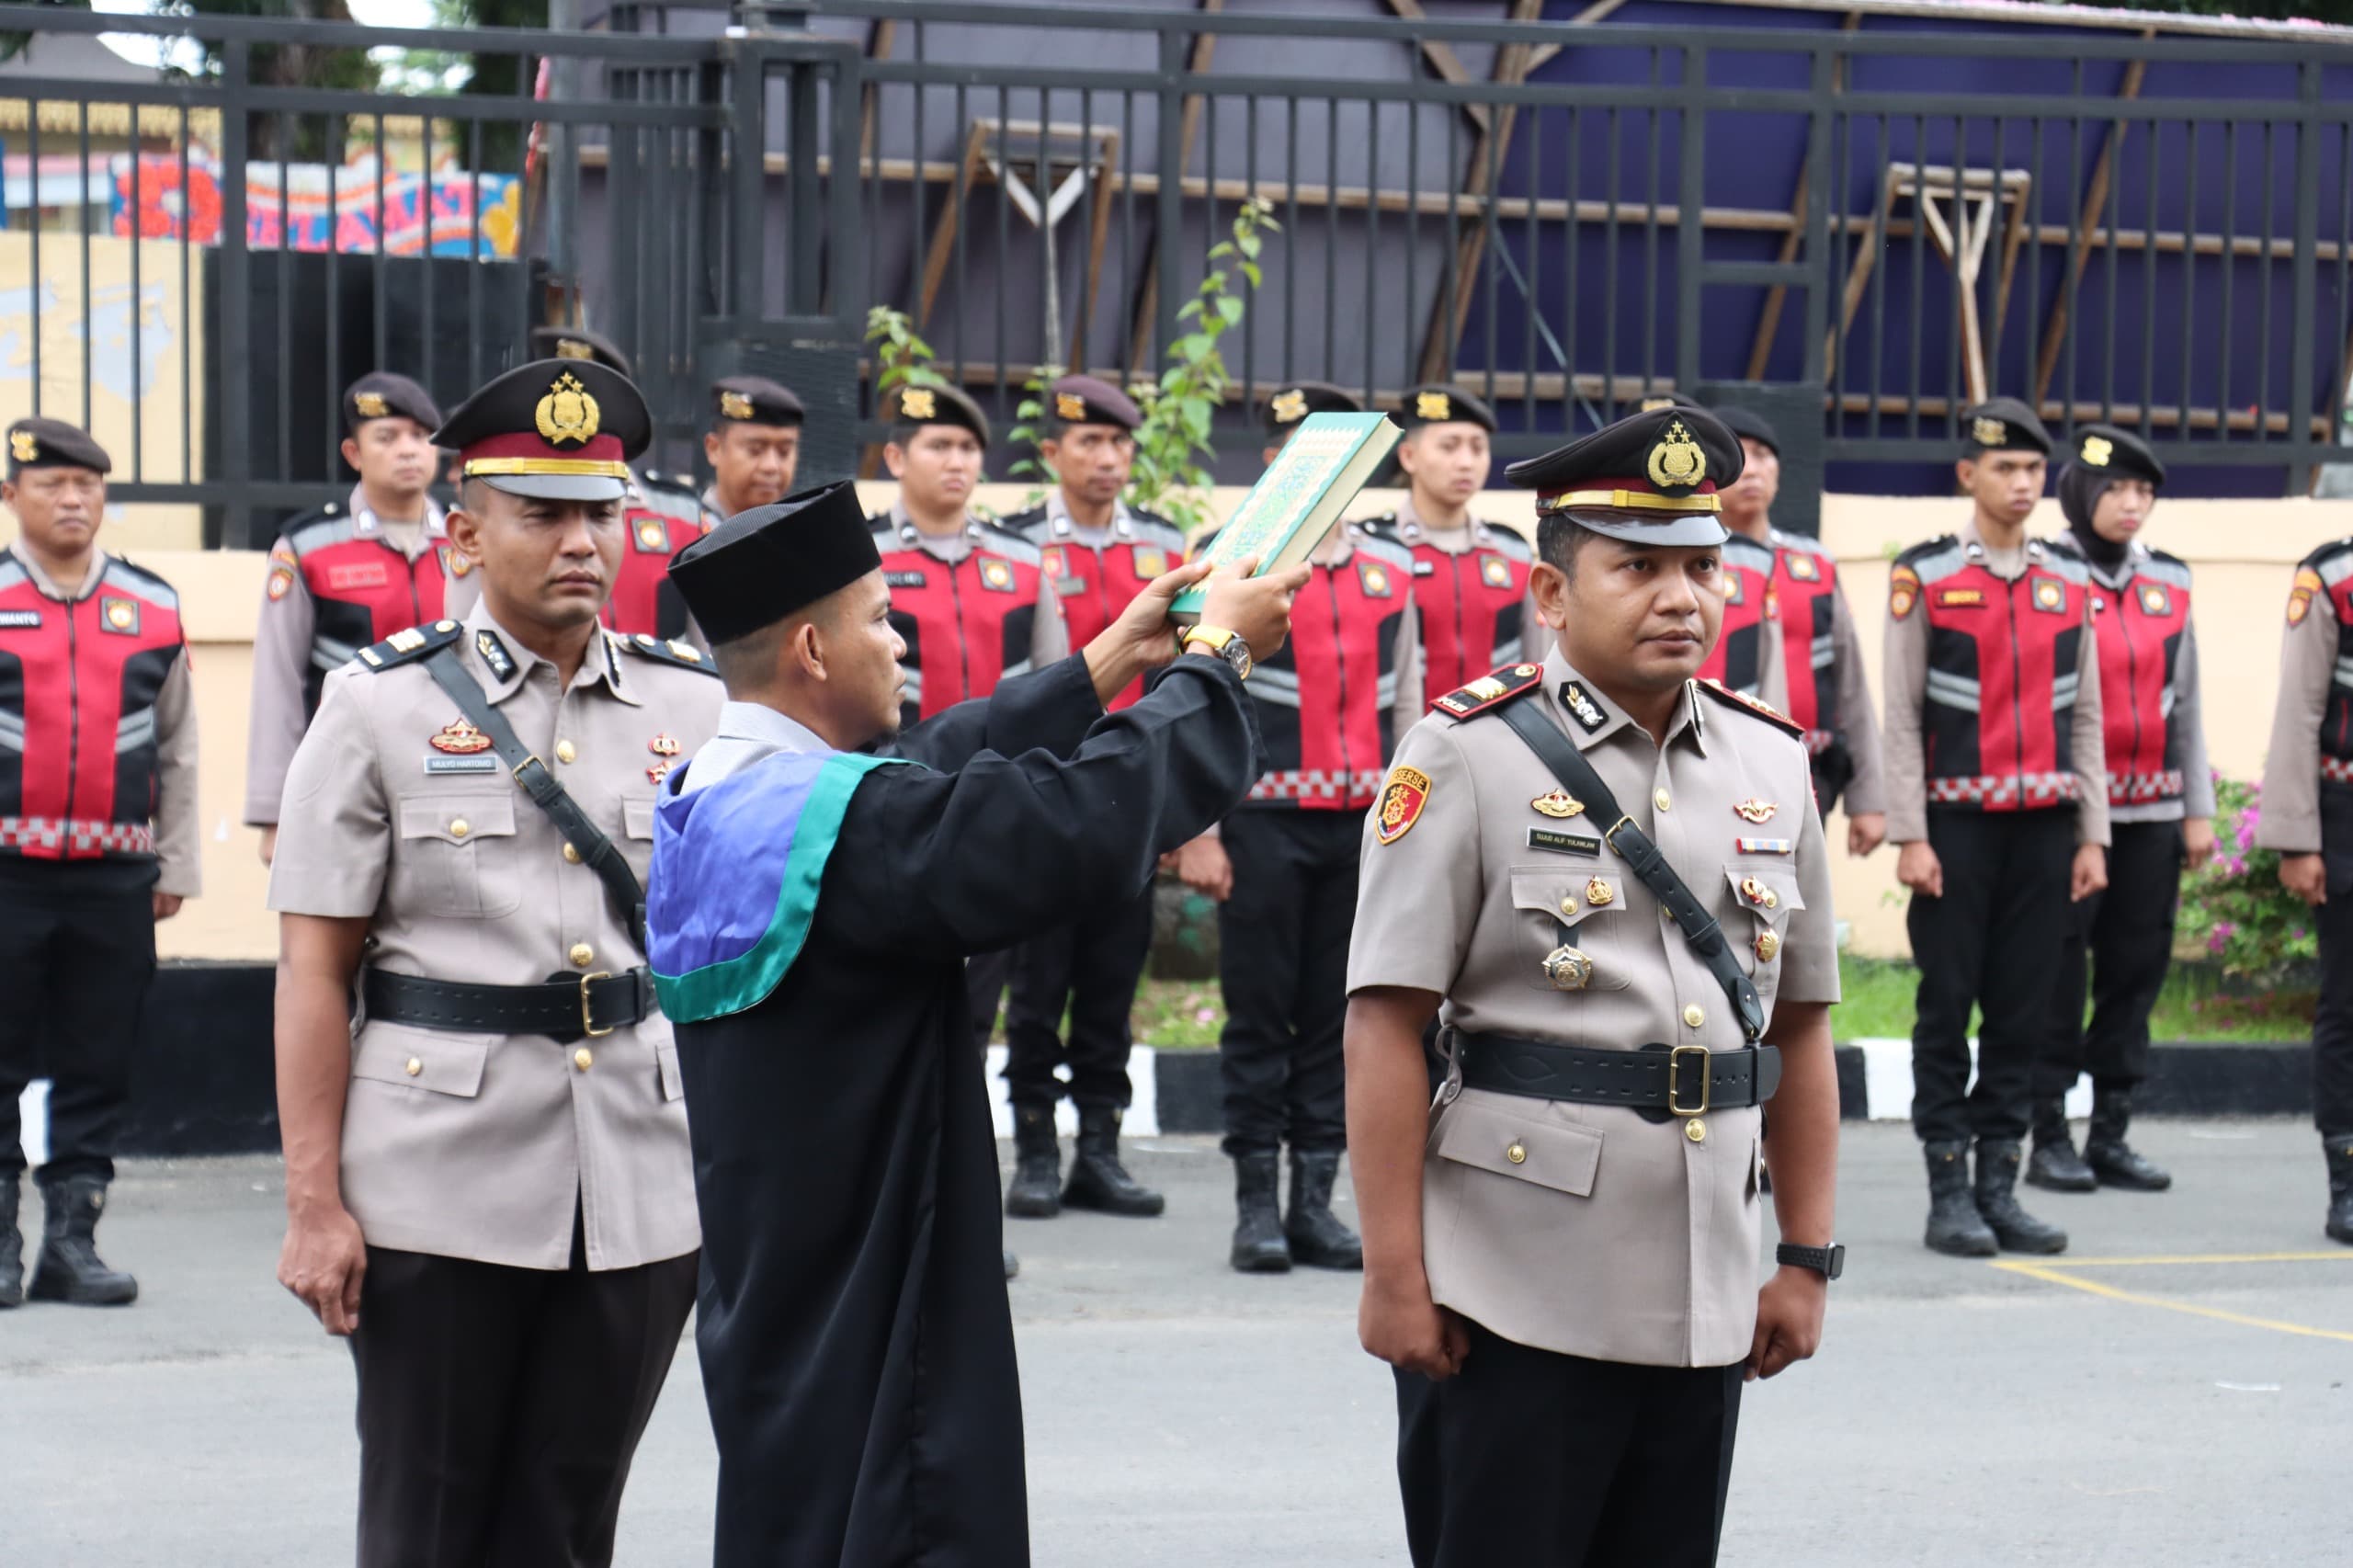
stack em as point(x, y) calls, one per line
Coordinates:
point(2216, 942)
point(2297, 935)
point(1204, 1014)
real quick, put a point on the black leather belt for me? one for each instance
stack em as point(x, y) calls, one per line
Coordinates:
point(564, 1007)
point(1656, 1080)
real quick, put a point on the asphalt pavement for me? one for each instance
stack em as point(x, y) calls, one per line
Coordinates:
point(2174, 1390)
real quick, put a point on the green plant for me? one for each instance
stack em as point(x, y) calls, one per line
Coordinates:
point(2235, 908)
point(1171, 474)
point(905, 357)
point(1027, 417)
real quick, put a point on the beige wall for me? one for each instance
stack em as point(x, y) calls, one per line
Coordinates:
point(2242, 551)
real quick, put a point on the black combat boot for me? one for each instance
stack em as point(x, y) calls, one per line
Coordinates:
point(1317, 1237)
point(1034, 1192)
point(2340, 1187)
point(1998, 1201)
point(2112, 1159)
point(1258, 1245)
point(1955, 1228)
point(1098, 1180)
point(70, 1268)
point(12, 1246)
point(2055, 1164)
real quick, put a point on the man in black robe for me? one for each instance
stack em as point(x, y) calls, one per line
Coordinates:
point(812, 905)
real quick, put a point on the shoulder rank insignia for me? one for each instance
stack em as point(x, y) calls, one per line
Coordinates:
point(1402, 800)
point(675, 653)
point(495, 657)
point(1582, 708)
point(1487, 691)
point(410, 644)
point(1772, 716)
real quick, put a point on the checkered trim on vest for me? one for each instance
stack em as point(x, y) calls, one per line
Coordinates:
point(2140, 788)
point(2002, 789)
point(1315, 784)
point(77, 836)
point(2336, 769)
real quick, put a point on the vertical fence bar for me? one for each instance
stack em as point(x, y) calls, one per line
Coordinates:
point(1413, 229)
point(1820, 126)
point(1883, 263)
point(82, 226)
point(1490, 249)
point(2034, 265)
point(236, 350)
point(1609, 282)
point(1956, 386)
point(1371, 245)
point(1532, 290)
point(138, 302)
point(1168, 225)
point(1442, 322)
point(2339, 324)
point(286, 264)
point(2268, 267)
point(2190, 229)
point(1332, 249)
point(1691, 223)
point(1919, 311)
point(2120, 139)
point(1250, 184)
point(2149, 227)
point(1128, 370)
point(382, 315)
point(2230, 275)
point(2303, 280)
point(1573, 229)
point(1653, 118)
point(2074, 273)
point(1290, 242)
point(188, 313)
point(339, 129)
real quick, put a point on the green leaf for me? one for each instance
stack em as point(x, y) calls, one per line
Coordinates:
point(1230, 308)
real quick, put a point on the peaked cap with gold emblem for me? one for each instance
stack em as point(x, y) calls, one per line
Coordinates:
point(1651, 478)
point(379, 394)
point(2003, 425)
point(754, 400)
point(1437, 403)
point(558, 429)
point(1086, 399)
point(52, 443)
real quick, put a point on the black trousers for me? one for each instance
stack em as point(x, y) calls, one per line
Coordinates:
point(1282, 942)
point(1092, 967)
point(499, 1408)
point(1530, 1457)
point(2332, 1020)
point(2118, 946)
point(983, 989)
point(1992, 941)
point(1834, 770)
point(77, 945)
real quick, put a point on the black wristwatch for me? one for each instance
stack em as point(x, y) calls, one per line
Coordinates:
point(1829, 1262)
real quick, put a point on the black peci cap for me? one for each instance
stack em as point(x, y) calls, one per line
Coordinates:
point(2117, 454)
point(1749, 424)
point(936, 405)
point(1300, 399)
point(1648, 478)
point(1083, 400)
point(754, 400)
point(1437, 403)
point(2003, 425)
point(759, 566)
point(51, 443)
point(379, 394)
point(558, 429)
point(579, 343)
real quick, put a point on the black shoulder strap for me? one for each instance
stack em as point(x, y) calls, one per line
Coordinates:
point(1699, 930)
point(596, 850)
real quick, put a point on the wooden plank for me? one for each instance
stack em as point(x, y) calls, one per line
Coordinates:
point(1443, 59)
point(1768, 320)
point(2054, 331)
point(1545, 53)
point(879, 37)
point(943, 228)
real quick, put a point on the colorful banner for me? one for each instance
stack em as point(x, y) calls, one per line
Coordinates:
point(308, 207)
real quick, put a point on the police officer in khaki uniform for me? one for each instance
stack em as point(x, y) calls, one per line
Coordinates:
point(1608, 880)
point(488, 1181)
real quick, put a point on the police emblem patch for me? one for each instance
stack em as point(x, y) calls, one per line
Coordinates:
point(1903, 591)
point(1151, 563)
point(734, 405)
point(1290, 407)
point(121, 615)
point(1494, 571)
point(2050, 595)
point(1735, 590)
point(918, 403)
point(997, 576)
point(22, 447)
point(651, 535)
point(1677, 462)
point(1373, 578)
point(1069, 405)
point(460, 738)
point(368, 405)
point(2097, 450)
point(1435, 406)
point(567, 413)
point(1558, 803)
point(2154, 600)
point(1599, 894)
point(1402, 800)
point(1802, 568)
point(1989, 432)
point(2299, 596)
point(456, 561)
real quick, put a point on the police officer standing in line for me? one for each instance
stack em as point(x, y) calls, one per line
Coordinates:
point(2308, 818)
point(1097, 553)
point(1330, 708)
point(1470, 577)
point(665, 511)
point(969, 599)
point(488, 1182)
point(1822, 688)
point(347, 575)
point(1746, 657)
point(2160, 811)
point(1997, 786)
point(1610, 878)
point(97, 840)
point(752, 446)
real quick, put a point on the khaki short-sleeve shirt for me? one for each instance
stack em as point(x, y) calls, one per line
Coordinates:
point(1611, 1237)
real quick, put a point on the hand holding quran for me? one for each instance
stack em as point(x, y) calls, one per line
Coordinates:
point(1296, 502)
point(1255, 608)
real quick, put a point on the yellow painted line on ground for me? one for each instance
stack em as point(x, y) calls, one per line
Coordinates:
point(2342, 1255)
point(2059, 1276)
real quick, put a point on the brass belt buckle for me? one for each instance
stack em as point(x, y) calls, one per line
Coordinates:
point(1675, 1106)
point(588, 1021)
point(1610, 834)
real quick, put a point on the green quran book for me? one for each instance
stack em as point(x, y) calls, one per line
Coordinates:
point(1321, 468)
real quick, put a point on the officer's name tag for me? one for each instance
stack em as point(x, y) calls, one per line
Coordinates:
point(1070, 587)
point(463, 765)
point(1560, 843)
point(20, 620)
point(903, 579)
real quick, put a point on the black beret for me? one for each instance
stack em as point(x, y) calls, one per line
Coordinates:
point(379, 394)
point(1437, 403)
point(2117, 454)
point(1748, 423)
point(579, 343)
point(559, 429)
point(1648, 479)
point(754, 400)
point(1300, 399)
point(52, 443)
point(1082, 399)
point(936, 405)
point(759, 566)
point(2003, 425)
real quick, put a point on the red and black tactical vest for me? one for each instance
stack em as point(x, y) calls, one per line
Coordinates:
point(2327, 575)
point(78, 684)
point(1737, 661)
point(1472, 603)
point(1095, 583)
point(1804, 589)
point(966, 625)
point(1995, 729)
point(1326, 700)
point(2141, 621)
point(665, 517)
point(362, 589)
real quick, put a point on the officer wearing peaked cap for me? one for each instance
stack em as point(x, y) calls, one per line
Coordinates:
point(753, 445)
point(488, 1181)
point(1607, 881)
point(1997, 797)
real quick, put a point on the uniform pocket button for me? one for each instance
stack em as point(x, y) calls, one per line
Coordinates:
point(1517, 1155)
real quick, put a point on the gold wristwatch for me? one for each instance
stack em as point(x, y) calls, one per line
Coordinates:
point(1225, 644)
